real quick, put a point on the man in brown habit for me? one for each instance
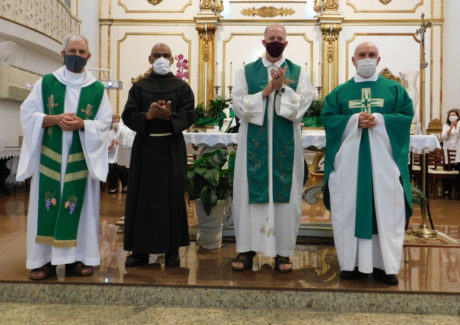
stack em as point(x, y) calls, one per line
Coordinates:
point(159, 107)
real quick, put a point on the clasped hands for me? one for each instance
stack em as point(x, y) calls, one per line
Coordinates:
point(276, 82)
point(66, 121)
point(160, 109)
point(366, 120)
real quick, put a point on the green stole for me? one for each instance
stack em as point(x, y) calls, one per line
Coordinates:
point(59, 214)
point(392, 101)
point(257, 141)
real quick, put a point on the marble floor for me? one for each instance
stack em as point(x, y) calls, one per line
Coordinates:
point(425, 269)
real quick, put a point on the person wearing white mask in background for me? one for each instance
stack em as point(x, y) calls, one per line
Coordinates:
point(366, 177)
point(159, 107)
point(451, 135)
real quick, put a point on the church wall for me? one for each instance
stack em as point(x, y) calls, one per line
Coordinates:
point(37, 28)
point(128, 29)
point(451, 67)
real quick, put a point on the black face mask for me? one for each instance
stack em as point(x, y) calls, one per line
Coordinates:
point(74, 63)
point(275, 49)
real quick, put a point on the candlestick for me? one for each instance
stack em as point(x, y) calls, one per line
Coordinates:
point(231, 64)
point(230, 91)
point(217, 90)
point(216, 75)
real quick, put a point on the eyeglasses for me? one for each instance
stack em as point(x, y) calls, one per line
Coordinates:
point(165, 55)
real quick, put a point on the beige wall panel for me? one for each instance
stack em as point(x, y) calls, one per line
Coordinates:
point(435, 61)
point(238, 46)
point(166, 9)
point(266, 10)
point(398, 49)
point(374, 9)
point(131, 47)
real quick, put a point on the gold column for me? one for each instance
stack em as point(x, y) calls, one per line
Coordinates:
point(206, 64)
point(330, 57)
point(330, 22)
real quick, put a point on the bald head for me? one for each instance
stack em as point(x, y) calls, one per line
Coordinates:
point(370, 53)
point(366, 48)
point(160, 50)
point(274, 28)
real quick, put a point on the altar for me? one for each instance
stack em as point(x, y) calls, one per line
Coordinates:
point(315, 140)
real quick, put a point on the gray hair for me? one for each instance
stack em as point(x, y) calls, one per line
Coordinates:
point(73, 37)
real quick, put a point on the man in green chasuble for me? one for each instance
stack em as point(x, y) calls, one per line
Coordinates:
point(270, 97)
point(366, 178)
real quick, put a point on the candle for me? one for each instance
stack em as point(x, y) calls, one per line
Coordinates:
point(230, 83)
point(216, 81)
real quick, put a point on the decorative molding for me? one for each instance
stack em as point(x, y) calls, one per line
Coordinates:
point(214, 5)
point(52, 18)
point(268, 12)
point(386, 73)
point(349, 3)
point(385, 2)
point(125, 8)
point(155, 2)
point(326, 5)
point(349, 41)
point(330, 34)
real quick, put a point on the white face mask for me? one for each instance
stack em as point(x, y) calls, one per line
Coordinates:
point(161, 65)
point(115, 125)
point(366, 67)
point(453, 118)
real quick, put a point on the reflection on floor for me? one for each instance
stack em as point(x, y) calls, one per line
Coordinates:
point(425, 269)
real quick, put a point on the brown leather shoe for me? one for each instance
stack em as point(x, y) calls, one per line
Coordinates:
point(79, 269)
point(43, 273)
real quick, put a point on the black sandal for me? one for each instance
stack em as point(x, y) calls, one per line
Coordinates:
point(281, 260)
point(246, 259)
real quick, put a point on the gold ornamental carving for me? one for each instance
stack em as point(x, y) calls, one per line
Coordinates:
point(268, 12)
point(385, 2)
point(206, 33)
point(154, 2)
point(330, 36)
point(326, 5)
point(386, 73)
point(214, 5)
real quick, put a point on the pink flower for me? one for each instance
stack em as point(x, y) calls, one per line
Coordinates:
point(185, 61)
point(180, 56)
point(186, 75)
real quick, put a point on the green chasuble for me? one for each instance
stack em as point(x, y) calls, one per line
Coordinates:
point(59, 212)
point(383, 96)
point(257, 140)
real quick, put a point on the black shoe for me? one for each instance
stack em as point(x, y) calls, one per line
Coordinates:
point(137, 259)
point(389, 279)
point(348, 275)
point(172, 260)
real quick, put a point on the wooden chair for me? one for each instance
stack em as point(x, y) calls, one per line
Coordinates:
point(437, 171)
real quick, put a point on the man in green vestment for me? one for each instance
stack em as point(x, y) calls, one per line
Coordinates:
point(270, 97)
point(65, 119)
point(366, 178)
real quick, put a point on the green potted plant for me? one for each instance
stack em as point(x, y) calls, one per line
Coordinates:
point(210, 184)
point(312, 117)
point(215, 115)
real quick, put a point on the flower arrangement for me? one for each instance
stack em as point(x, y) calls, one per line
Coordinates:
point(182, 67)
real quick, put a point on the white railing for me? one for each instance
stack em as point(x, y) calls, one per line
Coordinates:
point(52, 18)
